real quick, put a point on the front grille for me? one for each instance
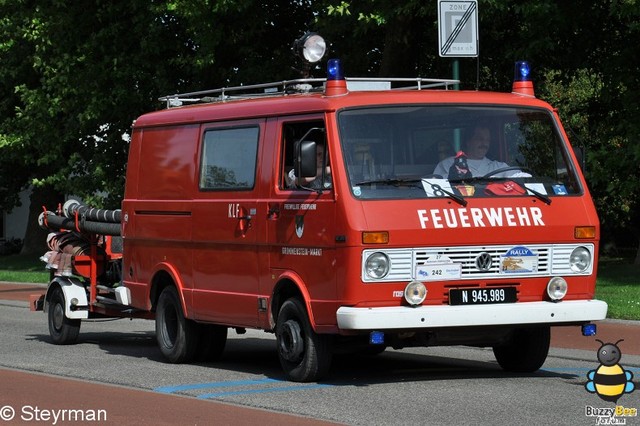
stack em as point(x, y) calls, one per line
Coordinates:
point(553, 259)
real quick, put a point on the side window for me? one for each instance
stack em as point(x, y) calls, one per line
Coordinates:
point(292, 132)
point(229, 158)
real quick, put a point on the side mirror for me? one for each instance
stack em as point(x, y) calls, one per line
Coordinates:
point(305, 159)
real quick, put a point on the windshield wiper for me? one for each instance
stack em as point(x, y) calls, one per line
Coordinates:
point(391, 182)
point(455, 197)
point(544, 197)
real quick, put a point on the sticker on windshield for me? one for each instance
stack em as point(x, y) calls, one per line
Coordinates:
point(436, 187)
point(519, 260)
point(538, 187)
point(466, 190)
point(559, 189)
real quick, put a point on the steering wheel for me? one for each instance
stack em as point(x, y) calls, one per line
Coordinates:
point(507, 169)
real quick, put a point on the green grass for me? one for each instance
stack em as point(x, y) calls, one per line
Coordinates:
point(23, 269)
point(619, 285)
point(618, 282)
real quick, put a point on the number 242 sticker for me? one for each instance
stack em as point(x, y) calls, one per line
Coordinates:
point(438, 271)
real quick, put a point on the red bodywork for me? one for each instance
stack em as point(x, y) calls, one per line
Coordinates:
point(230, 268)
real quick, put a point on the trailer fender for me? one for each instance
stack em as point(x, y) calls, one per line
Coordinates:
point(75, 297)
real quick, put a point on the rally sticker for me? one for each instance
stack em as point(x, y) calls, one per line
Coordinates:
point(437, 268)
point(519, 260)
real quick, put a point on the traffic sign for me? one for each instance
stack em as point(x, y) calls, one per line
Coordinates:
point(458, 28)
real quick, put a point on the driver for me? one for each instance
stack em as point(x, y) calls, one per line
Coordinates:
point(477, 145)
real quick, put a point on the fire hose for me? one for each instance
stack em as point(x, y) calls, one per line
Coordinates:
point(50, 220)
point(71, 207)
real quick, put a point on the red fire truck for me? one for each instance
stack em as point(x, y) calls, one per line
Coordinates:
point(347, 214)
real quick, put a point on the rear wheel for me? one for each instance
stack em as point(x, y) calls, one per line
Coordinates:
point(525, 351)
point(63, 330)
point(177, 336)
point(304, 355)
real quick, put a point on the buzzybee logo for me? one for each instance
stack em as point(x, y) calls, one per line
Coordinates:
point(609, 381)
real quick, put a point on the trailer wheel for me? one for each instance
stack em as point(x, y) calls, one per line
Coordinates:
point(211, 343)
point(304, 355)
point(177, 336)
point(526, 350)
point(63, 330)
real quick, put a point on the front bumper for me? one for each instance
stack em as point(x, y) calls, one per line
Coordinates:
point(426, 317)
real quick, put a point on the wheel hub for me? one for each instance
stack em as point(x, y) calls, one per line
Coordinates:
point(291, 341)
point(58, 316)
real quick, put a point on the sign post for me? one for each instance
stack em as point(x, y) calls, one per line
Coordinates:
point(457, 31)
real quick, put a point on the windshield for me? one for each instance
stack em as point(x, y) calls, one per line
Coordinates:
point(457, 152)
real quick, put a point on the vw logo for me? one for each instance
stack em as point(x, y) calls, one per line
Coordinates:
point(483, 262)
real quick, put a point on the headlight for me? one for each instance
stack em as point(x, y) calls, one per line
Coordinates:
point(415, 292)
point(580, 259)
point(377, 266)
point(557, 288)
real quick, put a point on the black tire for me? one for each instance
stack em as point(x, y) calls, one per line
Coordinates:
point(211, 342)
point(177, 336)
point(63, 331)
point(526, 350)
point(304, 355)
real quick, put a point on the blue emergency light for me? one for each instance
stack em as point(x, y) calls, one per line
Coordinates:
point(522, 83)
point(376, 338)
point(589, 330)
point(522, 71)
point(334, 70)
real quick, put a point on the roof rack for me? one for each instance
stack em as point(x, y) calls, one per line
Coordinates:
point(305, 85)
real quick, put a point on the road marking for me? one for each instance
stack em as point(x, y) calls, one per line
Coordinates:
point(236, 383)
point(265, 390)
point(196, 386)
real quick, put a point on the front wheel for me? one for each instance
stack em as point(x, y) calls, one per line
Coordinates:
point(525, 351)
point(63, 330)
point(177, 336)
point(304, 355)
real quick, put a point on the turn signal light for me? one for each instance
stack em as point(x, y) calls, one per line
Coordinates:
point(584, 232)
point(381, 237)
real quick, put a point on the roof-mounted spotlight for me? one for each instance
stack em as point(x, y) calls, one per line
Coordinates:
point(311, 47)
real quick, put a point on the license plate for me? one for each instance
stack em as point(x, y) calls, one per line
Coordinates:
point(481, 296)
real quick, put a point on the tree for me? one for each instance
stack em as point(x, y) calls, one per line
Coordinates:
point(584, 63)
point(72, 79)
point(72, 82)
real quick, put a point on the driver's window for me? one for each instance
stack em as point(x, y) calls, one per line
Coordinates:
point(312, 130)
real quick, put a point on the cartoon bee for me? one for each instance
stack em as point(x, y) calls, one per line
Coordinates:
point(609, 380)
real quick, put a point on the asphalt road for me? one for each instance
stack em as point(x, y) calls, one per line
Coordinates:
point(116, 365)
